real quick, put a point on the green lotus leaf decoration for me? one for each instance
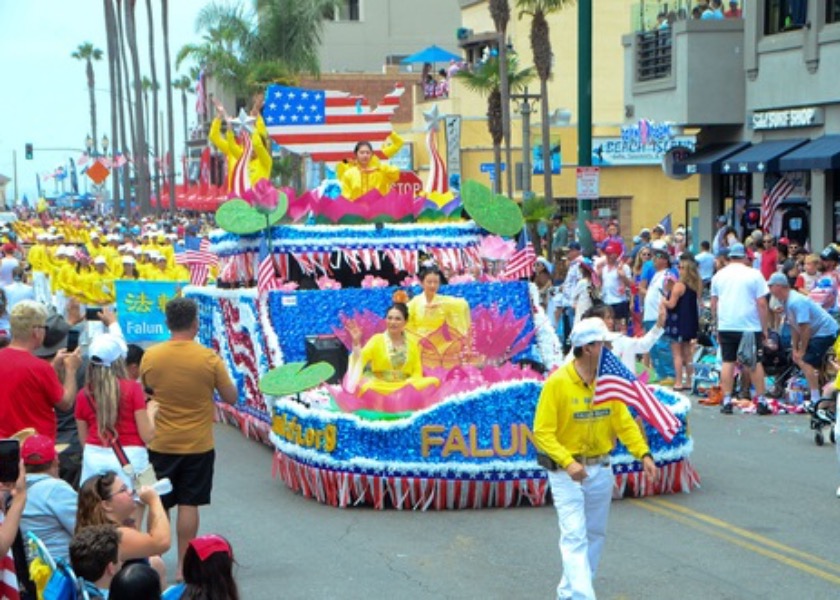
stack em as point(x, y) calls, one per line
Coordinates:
point(496, 213)
point(293, 378)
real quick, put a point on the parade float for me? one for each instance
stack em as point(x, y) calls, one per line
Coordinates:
point(287, 290)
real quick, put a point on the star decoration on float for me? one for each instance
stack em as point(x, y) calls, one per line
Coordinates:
point(432, 117)
point(243, 121)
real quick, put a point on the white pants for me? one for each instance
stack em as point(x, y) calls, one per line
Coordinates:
point(582, 511)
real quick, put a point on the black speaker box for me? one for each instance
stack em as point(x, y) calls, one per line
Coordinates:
point(329, 349)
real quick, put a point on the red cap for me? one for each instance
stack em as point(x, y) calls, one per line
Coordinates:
point(38, 450)
point(207, 545)
point(8, 248)
point(613, 248)
point(784, 241)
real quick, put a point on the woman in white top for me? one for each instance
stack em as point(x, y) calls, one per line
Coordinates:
point(583, 292)
point(627, 348)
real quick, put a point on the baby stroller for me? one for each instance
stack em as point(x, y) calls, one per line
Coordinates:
point(779, 367)
point(823, 414)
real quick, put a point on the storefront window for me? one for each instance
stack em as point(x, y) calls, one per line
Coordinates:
point(785, 15)
point(832, 11)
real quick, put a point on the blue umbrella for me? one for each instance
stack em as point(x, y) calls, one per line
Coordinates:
point(432, 54)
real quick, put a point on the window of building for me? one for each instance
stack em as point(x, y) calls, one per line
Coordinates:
point(347, 10)
point(785, 15)
point(832, 11)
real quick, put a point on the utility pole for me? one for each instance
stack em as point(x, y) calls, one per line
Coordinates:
point(526, 107)
point(14, 174)
point(584, 206)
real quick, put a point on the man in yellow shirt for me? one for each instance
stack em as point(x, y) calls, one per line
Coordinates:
point(183, 376)
point(577, 437)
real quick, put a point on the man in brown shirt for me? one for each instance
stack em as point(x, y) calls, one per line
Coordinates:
point(183, 375)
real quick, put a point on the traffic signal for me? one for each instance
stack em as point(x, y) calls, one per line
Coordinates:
point(28, 151)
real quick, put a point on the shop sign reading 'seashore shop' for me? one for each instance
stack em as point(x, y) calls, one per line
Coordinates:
point(806, 116)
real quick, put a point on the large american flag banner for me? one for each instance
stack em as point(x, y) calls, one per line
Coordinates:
point(615, 382)
point(771, 200)
point(521, 262)
point(326, 124)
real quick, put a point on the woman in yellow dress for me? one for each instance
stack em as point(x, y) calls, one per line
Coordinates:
point(389, 361)
point(366, 172)
point(429, 312)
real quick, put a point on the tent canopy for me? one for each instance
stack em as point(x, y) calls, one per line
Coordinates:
point(432, 54)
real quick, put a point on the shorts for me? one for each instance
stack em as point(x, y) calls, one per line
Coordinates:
point(621, 311)
point(191, 476)
point(730, 340)
point(817, 349)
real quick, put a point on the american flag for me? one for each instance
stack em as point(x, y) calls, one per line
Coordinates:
point(615, 382)
point(268, 277)
point(521, 262)
point(771, 200)
point(199, 262)
point(437, 181)
point(200, 102)
point(240, 180)
point(326, 124)
point(8, 577)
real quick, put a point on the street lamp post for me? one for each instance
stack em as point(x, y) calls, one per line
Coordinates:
point(526, 107)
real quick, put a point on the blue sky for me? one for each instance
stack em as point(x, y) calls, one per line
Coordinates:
point(44, 96)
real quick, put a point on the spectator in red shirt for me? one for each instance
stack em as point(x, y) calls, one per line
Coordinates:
point(769, 257)
point(734, 12)
point(31, 388)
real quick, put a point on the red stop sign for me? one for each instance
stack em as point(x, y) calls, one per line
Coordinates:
point(409, 183)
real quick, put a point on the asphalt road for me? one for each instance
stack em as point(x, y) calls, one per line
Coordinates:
point(764, 524)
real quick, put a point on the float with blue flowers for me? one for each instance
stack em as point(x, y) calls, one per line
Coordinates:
point(296, 272)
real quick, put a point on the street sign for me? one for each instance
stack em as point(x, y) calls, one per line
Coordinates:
point(98, 172)
point(490, 169)
point(588, 182)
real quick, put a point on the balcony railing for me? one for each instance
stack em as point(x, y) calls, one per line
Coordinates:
point(644, 16)
point(653, 60)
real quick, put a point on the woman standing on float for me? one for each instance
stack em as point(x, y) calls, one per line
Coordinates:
point(365, 172)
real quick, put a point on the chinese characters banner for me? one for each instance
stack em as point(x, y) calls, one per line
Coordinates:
point(141, 308)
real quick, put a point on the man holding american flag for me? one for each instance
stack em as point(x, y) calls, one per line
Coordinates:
point(575, 436)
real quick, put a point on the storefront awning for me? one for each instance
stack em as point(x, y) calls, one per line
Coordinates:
point(821, 153)
point(760, 158)
point(708, 159)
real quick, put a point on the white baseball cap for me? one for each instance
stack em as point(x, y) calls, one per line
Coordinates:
point(105, 349)
point(591, 330)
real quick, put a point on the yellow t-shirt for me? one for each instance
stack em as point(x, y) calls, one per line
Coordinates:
point(183, 375)
point(567, 423)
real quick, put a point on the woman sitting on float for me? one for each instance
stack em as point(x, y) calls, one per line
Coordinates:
point(365, 172)
point(388, 362)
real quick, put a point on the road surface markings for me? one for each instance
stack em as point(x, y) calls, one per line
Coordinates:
point(792, 557)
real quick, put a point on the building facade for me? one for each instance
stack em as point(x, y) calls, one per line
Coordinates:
point(364, 35)
point(764, 94)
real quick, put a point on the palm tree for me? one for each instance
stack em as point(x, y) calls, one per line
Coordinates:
point(243, 57)
point(126, 133)
point(500, 13)
point(222, 52)
point(116, 95)
point(541, 48)
point(158, 152)
point(141, 155)
point(486, 80)
point(184, 85)
point(153, 146)
point(87, 53)
point(170, 128)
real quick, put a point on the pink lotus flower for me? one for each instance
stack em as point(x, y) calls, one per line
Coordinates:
point(263, 196)
point(289, 286)
point(410, 281)
point(327, 283)
point(493, 247)
point(367, 320)
point(374, 282)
